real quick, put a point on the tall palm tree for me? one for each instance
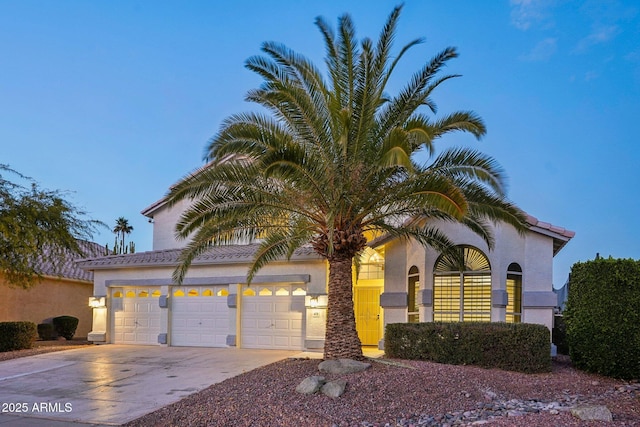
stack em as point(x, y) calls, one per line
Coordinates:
point(334, 165)
point(122, 228)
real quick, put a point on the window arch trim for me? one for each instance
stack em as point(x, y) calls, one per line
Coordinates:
point(462, 286)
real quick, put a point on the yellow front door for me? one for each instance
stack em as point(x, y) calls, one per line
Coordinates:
point(367, 308)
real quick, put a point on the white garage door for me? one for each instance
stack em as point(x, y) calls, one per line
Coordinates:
point(136, 315)
point(199, 316)
point(272, 317)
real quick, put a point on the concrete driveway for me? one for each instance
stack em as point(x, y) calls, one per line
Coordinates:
point(113, 384)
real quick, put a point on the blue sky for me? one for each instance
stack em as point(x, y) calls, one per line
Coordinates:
point(115, 101)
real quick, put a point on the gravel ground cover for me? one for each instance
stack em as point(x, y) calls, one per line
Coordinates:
point(404, 393)
point(394, 393)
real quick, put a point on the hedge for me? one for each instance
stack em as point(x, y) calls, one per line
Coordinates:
point(510, 346)
point(17, 335)
point(603, 317)
point(45, 331)
point(65, 326)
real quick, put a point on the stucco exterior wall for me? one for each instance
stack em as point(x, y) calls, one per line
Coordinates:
point(50, 298)
point(532, 251)
point(164, 223)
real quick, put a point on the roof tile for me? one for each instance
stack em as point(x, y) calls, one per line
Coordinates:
point(215, 255)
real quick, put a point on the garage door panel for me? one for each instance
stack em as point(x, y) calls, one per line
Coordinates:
point(199, 320)
point(208, 323)
point(272, 318)
point(282, 307)
point(282, 341)
point(283, 324)
point(264, 307)
point(136, 319)
point(143, 323)
point(250, 323)
point(265, 340)
point(180, 323)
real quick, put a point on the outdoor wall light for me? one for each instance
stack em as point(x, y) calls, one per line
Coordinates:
point(316, 301)
point(97, 302)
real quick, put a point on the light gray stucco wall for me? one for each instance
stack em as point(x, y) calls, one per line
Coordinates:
point(532, 251)
point(164, 223)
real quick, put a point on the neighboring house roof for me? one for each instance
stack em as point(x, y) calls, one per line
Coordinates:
point(230, 254)
point(563, 295)
point(67, 267)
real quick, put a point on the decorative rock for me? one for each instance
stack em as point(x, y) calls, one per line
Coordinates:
point(334, 388)
point(342, 366)
point(310, 385)
point(490, 395)
point(597, 412)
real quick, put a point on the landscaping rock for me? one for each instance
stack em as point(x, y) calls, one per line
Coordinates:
point(334, 388)
point(597, 412)
point(310, 385)
point(342, 366)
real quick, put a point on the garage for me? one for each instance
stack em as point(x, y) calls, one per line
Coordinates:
point(272, 317)
point(136, 315)
point(199, 316)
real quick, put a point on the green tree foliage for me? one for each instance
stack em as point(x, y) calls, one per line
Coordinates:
point(603, 317)
point(121, 229)
point(36, 224)
point(333, 164)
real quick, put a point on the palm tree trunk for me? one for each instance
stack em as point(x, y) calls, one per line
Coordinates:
point(341, 338)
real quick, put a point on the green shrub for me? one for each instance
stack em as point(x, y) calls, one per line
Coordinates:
point(65, 326)
point(510, 346)
point(559, 334)
point(603, 317)
point(45, 331)
point(17, 335)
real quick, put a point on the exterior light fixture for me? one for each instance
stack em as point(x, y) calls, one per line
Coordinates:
point(316, 301)
point(97, 302)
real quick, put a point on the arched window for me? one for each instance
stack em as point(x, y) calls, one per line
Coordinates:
point(371, 264)
point(514, 292)
point(413, 288)
point(462, 286)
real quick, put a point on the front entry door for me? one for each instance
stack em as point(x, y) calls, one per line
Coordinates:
point(367, 310)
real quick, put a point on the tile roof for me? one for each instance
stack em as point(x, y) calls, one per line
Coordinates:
point(560, 235)
point(230, 254)
point(533, 221)
point(67, 267)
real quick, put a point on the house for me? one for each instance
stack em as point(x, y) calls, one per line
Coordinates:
point(285, 306)
point(63, 291)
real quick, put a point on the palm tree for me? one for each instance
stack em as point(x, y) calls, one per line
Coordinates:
point(334, 165)
point(122, 228)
